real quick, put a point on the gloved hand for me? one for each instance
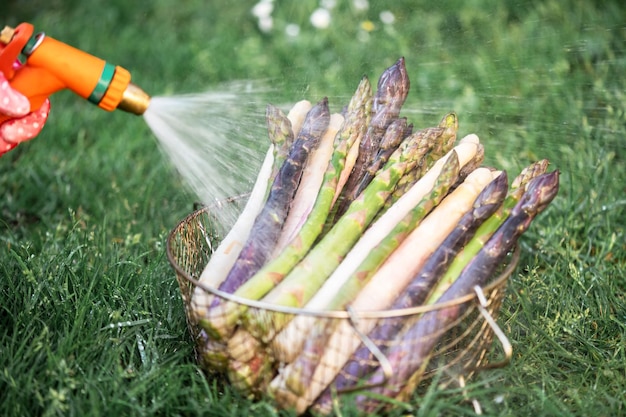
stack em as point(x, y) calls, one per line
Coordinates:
point(24, 124)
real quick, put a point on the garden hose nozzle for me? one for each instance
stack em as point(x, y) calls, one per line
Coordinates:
point(38, 66)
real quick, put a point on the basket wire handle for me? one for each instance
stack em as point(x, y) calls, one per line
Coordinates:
point(374, 350)
point(504, 341)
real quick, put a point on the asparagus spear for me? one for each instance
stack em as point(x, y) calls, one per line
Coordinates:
point(361, 362)
point(352, 151)
point(381, 291)
point(224, 257)
point(210, 353)
point(279, 129)
point(491, 224)
point(303, 367)
point(410, 352)
point(527, 174)
point(268, 223)
point(393, 88)
point(443, 143)
point(443, 138)
point(476, 162)
point(392, 138)
point(450, 122)
point(431, 135)
point(306, 277)
point(297, 114)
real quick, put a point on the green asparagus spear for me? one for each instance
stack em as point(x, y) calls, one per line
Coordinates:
point(431, 135)
point(444, 143)
point(441, 140)
point(280, 134)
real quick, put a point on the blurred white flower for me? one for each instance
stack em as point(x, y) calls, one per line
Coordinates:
point(292, 30)
point(266, 23)
point(361, 4)
point(328, 4)
point(320, 18)
point(263, 8)
point(387, 17)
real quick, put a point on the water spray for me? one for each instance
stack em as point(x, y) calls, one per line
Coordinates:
point(37, 66)
point(212, 138)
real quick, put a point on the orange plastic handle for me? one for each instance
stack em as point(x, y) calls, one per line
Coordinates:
point(10, 52)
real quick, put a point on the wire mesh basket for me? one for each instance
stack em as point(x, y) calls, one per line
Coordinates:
point(348, 360)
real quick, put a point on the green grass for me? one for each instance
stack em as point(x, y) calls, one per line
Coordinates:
point(91, 322)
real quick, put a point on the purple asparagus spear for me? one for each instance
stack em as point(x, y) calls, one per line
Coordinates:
point(393, 88)
point(269, 222)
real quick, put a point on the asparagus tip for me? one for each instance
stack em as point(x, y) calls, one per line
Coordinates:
point(541, 191)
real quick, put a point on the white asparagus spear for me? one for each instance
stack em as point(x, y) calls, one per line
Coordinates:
point(310, 183)
point(228, 250)
point(297, 114)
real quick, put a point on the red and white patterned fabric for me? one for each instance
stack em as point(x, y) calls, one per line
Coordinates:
point(24, 124)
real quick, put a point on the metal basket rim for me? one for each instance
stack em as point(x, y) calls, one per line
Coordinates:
point(339, 314)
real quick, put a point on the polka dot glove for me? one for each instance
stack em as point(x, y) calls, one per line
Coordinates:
point(24, 125)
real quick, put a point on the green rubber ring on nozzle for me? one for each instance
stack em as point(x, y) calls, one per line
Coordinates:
point(33, 43)
point(30, 47)
point(103, 83)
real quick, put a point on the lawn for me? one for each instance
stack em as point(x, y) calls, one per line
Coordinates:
point(92, 322)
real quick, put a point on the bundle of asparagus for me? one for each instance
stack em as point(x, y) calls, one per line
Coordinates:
point(358, 210)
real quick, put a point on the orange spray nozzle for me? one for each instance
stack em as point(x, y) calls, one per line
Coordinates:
point(47, 66)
